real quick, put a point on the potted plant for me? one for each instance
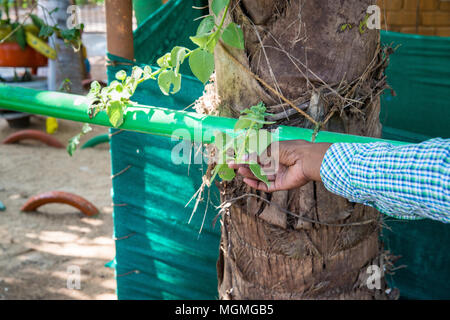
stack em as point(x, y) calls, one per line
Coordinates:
point(25, 45)
point(14, 50)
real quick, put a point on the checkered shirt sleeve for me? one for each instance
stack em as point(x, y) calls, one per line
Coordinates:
point(406, 182)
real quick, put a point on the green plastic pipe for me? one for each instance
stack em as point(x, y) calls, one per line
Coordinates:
point(154, 120)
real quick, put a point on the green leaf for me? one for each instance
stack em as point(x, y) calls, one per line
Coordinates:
point(164, 61)
point(65, 85)
point(206, 25)
point(70, 34)
point(86, 128)
point(202, 64)
point(176, 83)
point(95, 87)
point(115, 113)
point(233, 36)
point(46, 31)
point(168, 78)
point(218, 5)
point(206, 41)
point(258, 172)
point(131, 82)
point(260, 108)
point(258, 141)
point(148, 72)
point(222, 142)
point(241, 124)
point(38, 22)
point(211, 45)
point(177, 57)
point(20, 37)
point(136, 73)
point(224, 172)
point(165, 79)
point(121, 75)
point(53, 11)
point(119, 88)
point(245, 111)
point(201, 40)
point(73, 143)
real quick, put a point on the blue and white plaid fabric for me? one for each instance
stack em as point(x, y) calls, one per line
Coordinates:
point(406, 182)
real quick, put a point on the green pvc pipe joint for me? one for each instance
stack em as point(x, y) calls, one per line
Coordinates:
point(99, 139)
point(154, 120)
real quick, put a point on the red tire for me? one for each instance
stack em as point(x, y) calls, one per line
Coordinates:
point(34, 135)
point(71, 199)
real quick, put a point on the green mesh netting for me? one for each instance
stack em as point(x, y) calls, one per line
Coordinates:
point(160, 256)
point(171, 25)
point(419, 73)
point(144, 8)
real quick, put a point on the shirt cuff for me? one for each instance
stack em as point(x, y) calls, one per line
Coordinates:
point(337, 174)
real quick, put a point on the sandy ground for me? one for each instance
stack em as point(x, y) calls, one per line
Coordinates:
point(38, 250)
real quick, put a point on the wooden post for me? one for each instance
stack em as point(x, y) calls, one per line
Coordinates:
point(119, 28)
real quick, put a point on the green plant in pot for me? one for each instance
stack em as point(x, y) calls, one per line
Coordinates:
point(25, 44)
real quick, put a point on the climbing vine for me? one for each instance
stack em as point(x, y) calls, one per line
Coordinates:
point(249, 139)
point(115, 97)
point(249, 136)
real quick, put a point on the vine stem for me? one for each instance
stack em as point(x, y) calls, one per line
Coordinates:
point(241, 152)
point(256, 77)
point(222, 21)
point(153, 74)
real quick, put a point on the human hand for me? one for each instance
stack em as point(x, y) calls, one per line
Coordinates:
point(299, 162)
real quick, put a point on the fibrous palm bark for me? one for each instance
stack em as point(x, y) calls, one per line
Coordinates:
point(315, 54)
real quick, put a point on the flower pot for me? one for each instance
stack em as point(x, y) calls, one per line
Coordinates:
point(12, 55)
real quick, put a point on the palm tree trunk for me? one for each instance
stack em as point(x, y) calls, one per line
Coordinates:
point(301, 49)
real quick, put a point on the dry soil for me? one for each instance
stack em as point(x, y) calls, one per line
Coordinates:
point(38, 250)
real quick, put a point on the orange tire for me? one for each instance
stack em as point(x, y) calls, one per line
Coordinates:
point(34, 135)
point(71, 199)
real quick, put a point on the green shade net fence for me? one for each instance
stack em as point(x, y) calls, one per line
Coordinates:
point(419, 73)
point(160, 256)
